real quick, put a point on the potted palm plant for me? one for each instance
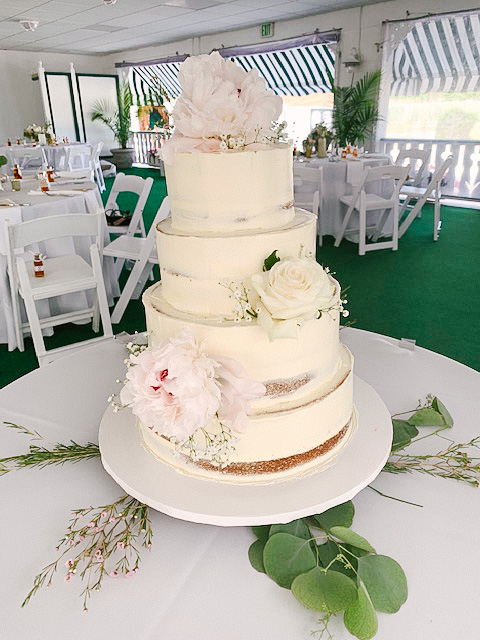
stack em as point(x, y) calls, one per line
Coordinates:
point(117, 119)
point(355, 110)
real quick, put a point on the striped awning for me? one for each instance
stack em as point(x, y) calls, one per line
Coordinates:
point(293, 67)
point(438, 54)
point(146, 79)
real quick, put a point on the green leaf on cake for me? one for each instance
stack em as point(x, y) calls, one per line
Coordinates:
point(442, 410)
point(347, 535)
point(341, 515)
point(324, 591)
point(255, 555)
point(262, 532)
point(385, 582)
point(296, 528)
point(360, 617)
point(270, 261)
point(403, 432)
point(285, 557)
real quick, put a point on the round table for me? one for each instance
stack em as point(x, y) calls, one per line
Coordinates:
point(55, 153)
point(197, 582)
point(77, 197)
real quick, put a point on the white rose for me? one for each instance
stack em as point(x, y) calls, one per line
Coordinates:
point(291, 292)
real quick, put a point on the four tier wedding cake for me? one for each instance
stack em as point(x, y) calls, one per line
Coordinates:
point(244, 379)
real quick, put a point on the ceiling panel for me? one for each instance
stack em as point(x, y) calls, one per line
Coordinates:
point(67, 25)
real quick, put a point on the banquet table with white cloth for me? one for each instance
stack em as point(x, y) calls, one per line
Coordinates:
point(196, 581)
point(55, 153)
point(339, 179)
point(29, 203)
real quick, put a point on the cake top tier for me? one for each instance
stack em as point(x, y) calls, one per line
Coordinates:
point(222, 107)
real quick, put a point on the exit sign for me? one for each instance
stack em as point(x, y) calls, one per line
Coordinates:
point(266, 29)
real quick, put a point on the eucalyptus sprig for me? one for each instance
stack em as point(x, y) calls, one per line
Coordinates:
point(331, 569)
point(100, 542)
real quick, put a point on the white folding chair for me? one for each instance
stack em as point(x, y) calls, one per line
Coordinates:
point(361, 202)
point(143, 251)
point(63, 274)
point(29, 159)
point(78, 157)
point(97, 169)
point(308, 192)
point(132, 184)
point(417, 160)
point(416, 197)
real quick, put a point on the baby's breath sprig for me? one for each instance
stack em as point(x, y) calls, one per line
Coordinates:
point(242, 309)
point(100, 542)
point(217, 448)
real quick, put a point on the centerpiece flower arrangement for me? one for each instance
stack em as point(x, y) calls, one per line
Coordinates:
point(319, 139)
point(222, 108)
point(33, 130)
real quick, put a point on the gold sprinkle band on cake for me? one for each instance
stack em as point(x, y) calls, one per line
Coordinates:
point(281, 464)
point(276, 388)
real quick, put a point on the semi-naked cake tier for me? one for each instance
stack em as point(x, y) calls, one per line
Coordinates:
point(217, 192)
point(199, 272)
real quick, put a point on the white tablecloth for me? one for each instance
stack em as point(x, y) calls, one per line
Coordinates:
point(39, 205)
point(339, 179)
point(55, 154)
point(196, 582)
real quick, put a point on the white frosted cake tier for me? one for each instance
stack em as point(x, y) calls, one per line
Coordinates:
point(307, 425)
point(232, 191)
point(316, 348)
point(198, 272)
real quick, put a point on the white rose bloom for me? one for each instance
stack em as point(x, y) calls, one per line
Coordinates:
point(292, 291)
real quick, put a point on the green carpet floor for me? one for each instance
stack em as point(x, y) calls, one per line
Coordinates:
point(425, 291)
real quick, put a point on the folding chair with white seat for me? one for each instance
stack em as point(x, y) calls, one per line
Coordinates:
point(96, 166)
point(417, 159)
point(361, 202)
point(78, 157)
point(308, 192)
point(29, 159)
point(421, 195)
point(143, 251)
point(131, 184)
point(63, 275)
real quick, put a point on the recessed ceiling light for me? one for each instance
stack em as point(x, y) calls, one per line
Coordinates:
point(109, 1)
point(29, 25)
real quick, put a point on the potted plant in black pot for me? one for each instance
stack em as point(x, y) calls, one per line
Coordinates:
point(117, 119)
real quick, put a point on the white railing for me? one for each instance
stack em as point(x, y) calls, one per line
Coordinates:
point(146, 145)
point(463, 178)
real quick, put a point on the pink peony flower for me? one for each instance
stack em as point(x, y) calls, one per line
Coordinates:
point(175, 389)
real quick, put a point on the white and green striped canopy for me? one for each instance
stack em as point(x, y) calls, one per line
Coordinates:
point(438, 54)
point(295, 67)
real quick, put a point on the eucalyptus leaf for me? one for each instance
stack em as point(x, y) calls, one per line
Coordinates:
point(324, 591)
point(255, 555)
point(360, 617)
point(327, 553)
point(341, 515)
point(347, 535)
point(403, 432)
point(295, 528)
point(270, 261)
point(262, 532)
point(385, 582)
point(427, 416)
point(286, 556)
point(442, 409)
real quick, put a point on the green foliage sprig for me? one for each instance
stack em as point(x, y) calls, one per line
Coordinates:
point(101, 542)
point(116, 116)
point(331, 569)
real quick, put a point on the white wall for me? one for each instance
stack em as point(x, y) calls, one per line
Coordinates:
point(21, 102)
point(361, 28)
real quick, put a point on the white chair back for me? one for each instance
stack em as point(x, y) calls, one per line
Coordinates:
point(418, 160)
point(130, 184)
point(29, 159)
point(78, 157)
point(96, 166)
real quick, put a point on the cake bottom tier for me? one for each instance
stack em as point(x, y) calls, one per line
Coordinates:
point(299, 438)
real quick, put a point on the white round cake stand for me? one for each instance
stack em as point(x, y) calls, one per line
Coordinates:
point(158, 485)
